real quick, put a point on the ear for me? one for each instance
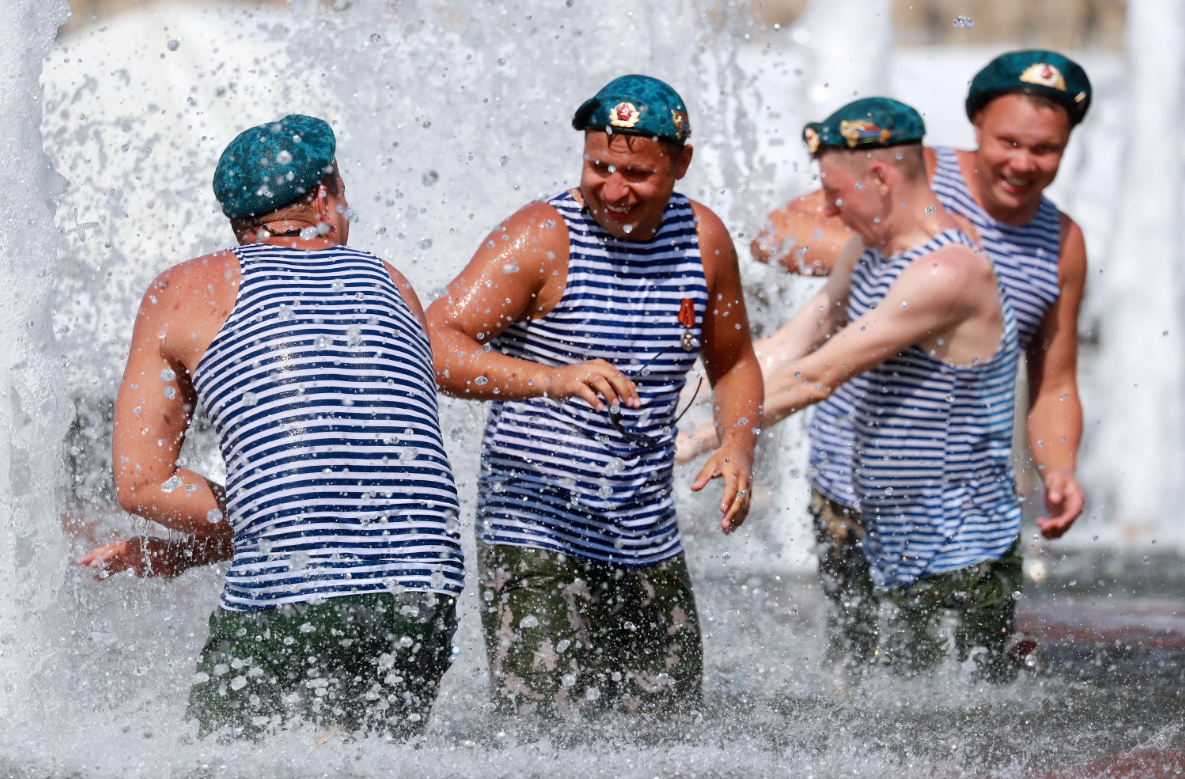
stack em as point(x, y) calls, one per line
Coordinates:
point(321, 204)
point(882, 176)
point(683, 162)
point(977, 123)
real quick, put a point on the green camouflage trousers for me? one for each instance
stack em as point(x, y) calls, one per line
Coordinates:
point(359, 663)
point(979, 598)
point(567, 635)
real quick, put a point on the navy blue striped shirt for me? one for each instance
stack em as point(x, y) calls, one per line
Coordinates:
point(559, 476)
point(932, 460)
point(1026, 262)
point(321, 389)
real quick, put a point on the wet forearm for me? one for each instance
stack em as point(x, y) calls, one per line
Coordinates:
point(738, 410)
point(466, 368)
point(180, 500)
point(1055, 429)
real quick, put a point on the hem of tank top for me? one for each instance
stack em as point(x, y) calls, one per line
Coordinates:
point(233, 250)
point(564, 296)
point(326, 595)
point(678, 550)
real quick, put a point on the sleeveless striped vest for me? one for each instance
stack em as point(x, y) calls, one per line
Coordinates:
point(1025, 258)
point(321, 389)
point(559, 476)
point(932, 464)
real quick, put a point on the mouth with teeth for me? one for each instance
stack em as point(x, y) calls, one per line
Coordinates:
point(620, 213)
point(1015, 186)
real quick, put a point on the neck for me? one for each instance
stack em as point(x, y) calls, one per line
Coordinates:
point(269, 235)
point(979, 184)
point(914, 217)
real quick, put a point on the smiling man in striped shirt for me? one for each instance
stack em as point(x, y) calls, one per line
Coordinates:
point(580, 318)
point(339, 515)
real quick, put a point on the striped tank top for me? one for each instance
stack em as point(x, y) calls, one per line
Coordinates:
point(559, 476)
point(932, 461)
point(321, 389)
point(1025, 258)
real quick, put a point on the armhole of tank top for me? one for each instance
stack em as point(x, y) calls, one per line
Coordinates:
point(197, 369)
point(699, 250)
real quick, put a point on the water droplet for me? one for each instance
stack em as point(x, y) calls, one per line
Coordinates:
point(963, 22)
point(929, 209)
point(437, 580)
point(285, 313)
point(213, 516)
point(568, 680)
point(501, 62)
point(425, 243)
point(284, 157)
point(481, 381)
point(405, 641)
point(430, 178)
point(171, 483)
point(563, 645)
point(170, 393)
point(351, 215)
point(353, 335)
point(529, 621)
point(323, 342)
point(250, 398)
point(605, 491)
point(375, 37)
point(173, 45)
point(510, 267)
point(408, 454)
point(888, 490)
point(308, 233)
point(167, 374)
point(395, 587)
point(457, 436)
point(297, 561)
point(950, 398)
point(503, 160)
point(627, 229)
point(615, 466)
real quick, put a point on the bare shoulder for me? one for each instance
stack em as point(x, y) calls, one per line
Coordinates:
point(408, 292)
point(208, 277)
point(955, 264)
point(535, 221)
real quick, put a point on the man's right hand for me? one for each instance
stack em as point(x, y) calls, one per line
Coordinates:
point(587, 380)
point(144, 556)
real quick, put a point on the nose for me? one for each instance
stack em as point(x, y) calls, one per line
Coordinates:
point(830, 208)
point(614, 189)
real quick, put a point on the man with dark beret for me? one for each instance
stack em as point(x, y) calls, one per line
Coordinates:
point(1024, 106)
point(580, 318)
point(313, 364)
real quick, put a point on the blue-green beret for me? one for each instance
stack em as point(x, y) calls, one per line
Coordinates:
point(637, 105)
point(1034, 72)
point(272, 165)
point(868, 123)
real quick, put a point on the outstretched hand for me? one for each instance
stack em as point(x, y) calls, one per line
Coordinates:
point(1064, 501)
point(735, 468)
point(144, 556)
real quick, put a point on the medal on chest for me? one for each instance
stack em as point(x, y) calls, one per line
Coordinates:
point(687, 320)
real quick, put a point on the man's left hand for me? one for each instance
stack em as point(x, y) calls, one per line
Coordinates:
point(735, 468)
point(1064, 501)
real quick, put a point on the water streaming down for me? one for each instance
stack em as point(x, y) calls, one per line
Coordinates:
point(449, 117)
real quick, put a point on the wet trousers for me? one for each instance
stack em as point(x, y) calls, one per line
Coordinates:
point(566, 635)
point(979, 598)
point(361, 663)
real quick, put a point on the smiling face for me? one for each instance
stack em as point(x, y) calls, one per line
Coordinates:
point(627, 181)
point(1021, 142)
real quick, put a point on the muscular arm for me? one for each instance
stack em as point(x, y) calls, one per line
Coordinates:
point(152, 412)
point(731, 365)
point(928, 302)
point(1055, 411)
point(801, 239)
point(518, 273)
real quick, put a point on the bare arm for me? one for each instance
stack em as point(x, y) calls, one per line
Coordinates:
point(731, 365)
point(926, 304)
point(801, 239)
point(1055, 411)
point(517, 271)
point(152, 412)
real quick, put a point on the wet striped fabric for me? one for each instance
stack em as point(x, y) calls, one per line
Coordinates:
point(321, 388)
point(1025, 259)
point(932, 460)
point(559, 476)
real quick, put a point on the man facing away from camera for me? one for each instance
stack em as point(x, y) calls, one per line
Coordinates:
point(313, 364)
